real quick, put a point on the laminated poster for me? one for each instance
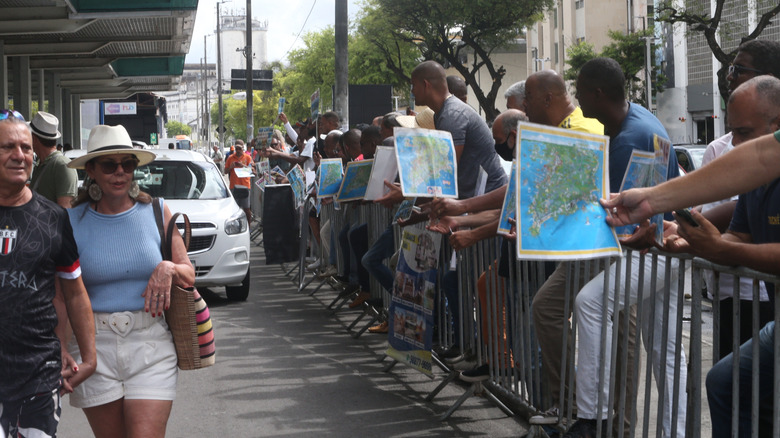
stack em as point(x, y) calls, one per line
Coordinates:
point(330, 176)
point(508, 209)
point(641, 172)
point(561, 175)
point(426, 163)
point(264, 136)
point(410, 332)
point(353, 186)
point(385, 169)
point(298, 184)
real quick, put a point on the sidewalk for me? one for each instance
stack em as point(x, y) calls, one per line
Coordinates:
point(285, 367)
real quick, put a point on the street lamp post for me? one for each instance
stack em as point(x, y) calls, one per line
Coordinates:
point(249, 92)
point(221, 133)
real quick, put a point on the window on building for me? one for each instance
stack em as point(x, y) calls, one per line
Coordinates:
point(556, 53)
point(555, 18)
point(579, 4)
point(580, 40)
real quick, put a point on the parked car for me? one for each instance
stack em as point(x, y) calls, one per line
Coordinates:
point(73, 154)
point(190, 183)
point(689, 156)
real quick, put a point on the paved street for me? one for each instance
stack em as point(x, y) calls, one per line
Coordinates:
point(285, 367)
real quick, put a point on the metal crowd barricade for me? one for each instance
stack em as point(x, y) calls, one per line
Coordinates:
point(376, 218)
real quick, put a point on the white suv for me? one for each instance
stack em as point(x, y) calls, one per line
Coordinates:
point(190, 183)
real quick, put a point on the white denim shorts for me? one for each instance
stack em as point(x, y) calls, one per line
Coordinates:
point(136, 359)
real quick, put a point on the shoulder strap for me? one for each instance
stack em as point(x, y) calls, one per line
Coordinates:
point(166, 238)
point(172, 228)
point(158, 218)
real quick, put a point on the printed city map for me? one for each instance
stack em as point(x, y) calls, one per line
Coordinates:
point(560, 178)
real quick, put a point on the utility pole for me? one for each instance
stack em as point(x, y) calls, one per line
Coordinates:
point(221, 132)
point(250, 129)
point(648, 70)
point(342, 62)
point(207, 130)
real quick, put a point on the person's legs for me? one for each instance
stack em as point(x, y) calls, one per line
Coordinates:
point(34, 416)
point(358, 242)
point(383, 248)
point(345, 253)
point(105, 420)
point(146, 418)
point(551, 322)
point(450, 287)
point(719, 381)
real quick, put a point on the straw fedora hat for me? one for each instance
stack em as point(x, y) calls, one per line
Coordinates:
point(44, 125)
point(423, 119)
point(108, 140)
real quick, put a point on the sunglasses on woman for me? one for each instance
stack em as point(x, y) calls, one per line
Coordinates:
point(7, 113)
point(109, 166)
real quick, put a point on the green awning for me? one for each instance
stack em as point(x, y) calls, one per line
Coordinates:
point(83, 6)
point(171, 66)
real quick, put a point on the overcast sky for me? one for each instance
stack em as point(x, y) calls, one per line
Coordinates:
point(285, 20)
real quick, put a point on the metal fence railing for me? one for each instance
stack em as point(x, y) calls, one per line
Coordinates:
point(636, 336)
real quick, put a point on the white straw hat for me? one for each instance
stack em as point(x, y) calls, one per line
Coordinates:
point(109, 140)
point(44, 125)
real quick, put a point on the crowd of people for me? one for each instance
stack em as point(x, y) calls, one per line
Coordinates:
point(91, 284)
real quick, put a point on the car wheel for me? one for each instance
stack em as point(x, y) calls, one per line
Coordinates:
point(239, 293)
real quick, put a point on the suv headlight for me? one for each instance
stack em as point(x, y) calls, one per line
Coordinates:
point(236, 224)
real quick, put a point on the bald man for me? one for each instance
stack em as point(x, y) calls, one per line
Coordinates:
point(458, 88)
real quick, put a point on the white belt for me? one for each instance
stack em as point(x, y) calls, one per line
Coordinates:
point(123, 323)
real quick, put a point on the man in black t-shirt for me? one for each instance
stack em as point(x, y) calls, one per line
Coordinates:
point(36, 249)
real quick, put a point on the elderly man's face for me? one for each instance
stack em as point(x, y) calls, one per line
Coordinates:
point(16, 154)
point(749, 117)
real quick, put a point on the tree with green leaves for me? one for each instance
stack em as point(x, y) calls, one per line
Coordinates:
point(629, 50)
point(175, 128)
point(452, 31)
point(715, 28)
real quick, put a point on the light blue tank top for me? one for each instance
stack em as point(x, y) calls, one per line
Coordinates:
point(118, 254)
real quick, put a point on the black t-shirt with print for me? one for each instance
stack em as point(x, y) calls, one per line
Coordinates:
point(36, 240)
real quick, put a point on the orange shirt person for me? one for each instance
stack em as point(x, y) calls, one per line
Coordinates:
point(240, 186)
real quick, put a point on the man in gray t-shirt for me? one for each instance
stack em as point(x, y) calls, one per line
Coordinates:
point(472, 135)
point(474, 145)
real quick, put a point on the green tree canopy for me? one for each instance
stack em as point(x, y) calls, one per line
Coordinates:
point(629, 50)
point(175, 128)
point(450, 31)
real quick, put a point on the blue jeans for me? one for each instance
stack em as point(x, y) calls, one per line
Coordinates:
point(382, 249)
point(719, 381)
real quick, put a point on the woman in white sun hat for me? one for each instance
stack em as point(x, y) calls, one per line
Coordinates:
point(131, 392)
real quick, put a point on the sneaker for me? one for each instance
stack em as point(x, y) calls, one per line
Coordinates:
point(547, 417)
point(451, 353)
point(314, 265)
point(328, 272)
point(361, 298)
point(478, 374)
point(585, 428)
point(381, 328)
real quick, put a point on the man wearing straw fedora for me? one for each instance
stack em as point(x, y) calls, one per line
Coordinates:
point(51, 177)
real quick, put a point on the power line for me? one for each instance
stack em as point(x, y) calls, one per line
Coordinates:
point(300, 31)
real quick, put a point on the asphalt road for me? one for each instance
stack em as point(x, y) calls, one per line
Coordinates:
point(286, 367)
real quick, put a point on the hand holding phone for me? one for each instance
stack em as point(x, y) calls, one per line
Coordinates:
point(686, 215)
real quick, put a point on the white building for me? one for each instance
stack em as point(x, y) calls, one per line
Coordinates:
point(186, 104)
point(233, 42)
point(691, 108)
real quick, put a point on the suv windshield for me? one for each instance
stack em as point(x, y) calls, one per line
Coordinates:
point(181, 180)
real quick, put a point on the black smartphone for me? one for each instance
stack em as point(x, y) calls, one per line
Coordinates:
point(686, 215)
